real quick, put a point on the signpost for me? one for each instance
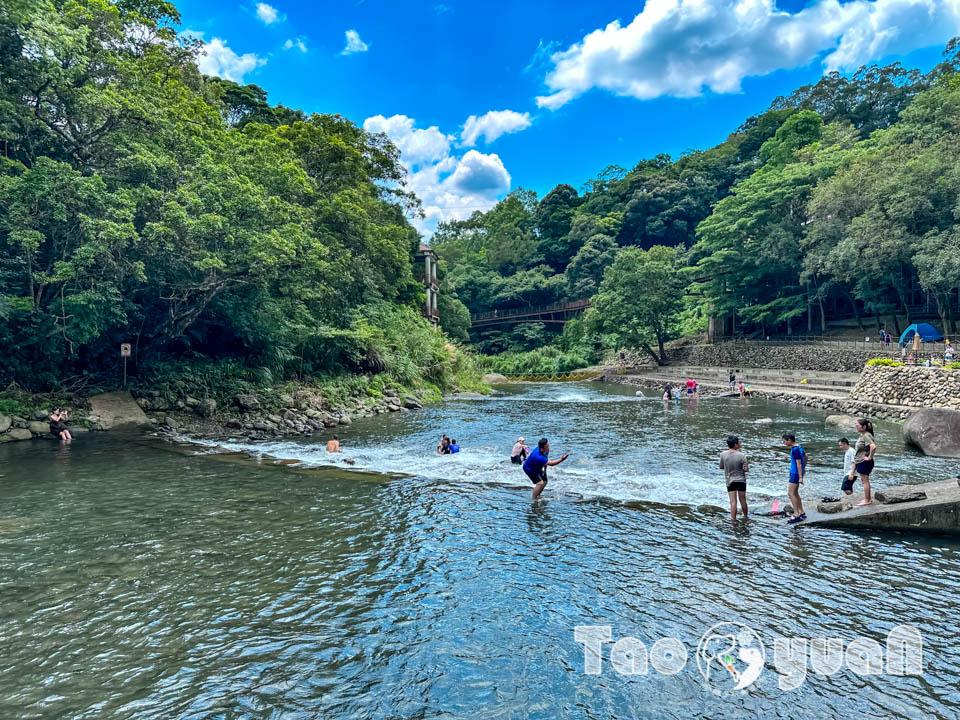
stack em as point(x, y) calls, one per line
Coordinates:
point(124, 353)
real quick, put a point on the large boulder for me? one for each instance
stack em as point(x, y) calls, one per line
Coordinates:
point(247, 403)
point(38, 428)
point(207, 407)
point(117, 408)
point(494, 379)
point(411, 403)
point(19, 434)
point(935, 431)
point(846, 422)
point(5, 422)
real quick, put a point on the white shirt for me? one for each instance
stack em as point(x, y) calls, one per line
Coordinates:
point(848, 460)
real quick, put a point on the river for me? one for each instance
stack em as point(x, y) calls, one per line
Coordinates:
point(141, 579)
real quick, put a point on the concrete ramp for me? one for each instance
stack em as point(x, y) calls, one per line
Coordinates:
point(117, 408)
point(938, 512)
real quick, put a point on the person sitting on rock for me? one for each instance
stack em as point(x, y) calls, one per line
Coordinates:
point(58, 425)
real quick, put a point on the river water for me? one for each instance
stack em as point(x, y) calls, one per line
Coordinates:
point(140, 579)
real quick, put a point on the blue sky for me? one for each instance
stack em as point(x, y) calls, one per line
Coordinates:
point(556, 92)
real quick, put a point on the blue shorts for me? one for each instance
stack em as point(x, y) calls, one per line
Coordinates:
point(794, 479)
point(847, 484)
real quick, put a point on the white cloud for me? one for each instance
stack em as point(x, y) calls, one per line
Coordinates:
point(268, 14)
point(417, 146)
point(217, 58)
point(295, 43)
point(492, 125)
point(450, 187)
point(681, 47)
point(354, 43)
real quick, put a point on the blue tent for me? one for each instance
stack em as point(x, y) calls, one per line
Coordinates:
point(926, 331)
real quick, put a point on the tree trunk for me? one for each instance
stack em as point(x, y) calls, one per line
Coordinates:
point(663, 352)
point(856, 310)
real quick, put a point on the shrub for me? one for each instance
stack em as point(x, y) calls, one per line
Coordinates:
point(885, 362)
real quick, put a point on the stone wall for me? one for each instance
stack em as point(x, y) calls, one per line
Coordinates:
point(908, 385)
point(781, 357)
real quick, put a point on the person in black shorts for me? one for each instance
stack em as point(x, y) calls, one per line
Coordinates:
point(735, 467)
point(536, 466)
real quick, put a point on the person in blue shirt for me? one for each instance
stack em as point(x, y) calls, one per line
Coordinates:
point(454, 447)
point(798, 468)
point(536, 466)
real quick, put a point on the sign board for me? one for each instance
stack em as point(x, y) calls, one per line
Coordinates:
point(125, 350)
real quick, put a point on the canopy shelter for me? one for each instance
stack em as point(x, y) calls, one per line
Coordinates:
point(926, 331)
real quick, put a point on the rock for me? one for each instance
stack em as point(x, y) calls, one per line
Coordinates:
point(313, 414)
point(171, 422)
point(159, 403)
point(345, 420)
point(19, 434)
point(469, 395)
point(247, 403)
point(5, 439)
point(191, 402)
point(38, 428)
point(287, 401)
point(411, 403)
point(206, 407)
point(892, 496)
point(494, 379)
point(935, 431)
point(390, 393)
point(834, 507)
point(39, 415)
point(846, 422)
point(5, 423)
point(393, 408)
point(117, 408)
point(144, 403)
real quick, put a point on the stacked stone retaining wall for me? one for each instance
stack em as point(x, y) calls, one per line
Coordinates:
point(821, 358)
point(909, 386)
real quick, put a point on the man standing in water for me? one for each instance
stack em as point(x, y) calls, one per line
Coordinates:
point(798, 468)
point(536, 466)
point(734, 466)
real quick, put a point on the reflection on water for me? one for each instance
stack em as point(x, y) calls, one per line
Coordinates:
point(140, 583)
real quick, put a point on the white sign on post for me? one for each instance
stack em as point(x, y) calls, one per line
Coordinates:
point(125, 350)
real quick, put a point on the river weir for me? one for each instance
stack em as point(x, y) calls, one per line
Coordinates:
point(142, 579)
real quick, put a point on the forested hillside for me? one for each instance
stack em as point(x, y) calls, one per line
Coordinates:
point(143, 202)
point(840, 199)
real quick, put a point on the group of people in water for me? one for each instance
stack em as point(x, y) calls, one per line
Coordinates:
point(447, 446)
point(857, 460)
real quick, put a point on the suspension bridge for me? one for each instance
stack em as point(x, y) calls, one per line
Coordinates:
point(558, 313)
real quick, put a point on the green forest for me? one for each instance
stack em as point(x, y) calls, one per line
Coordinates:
point(228, 239)
point(841, 200)
point(225, 239)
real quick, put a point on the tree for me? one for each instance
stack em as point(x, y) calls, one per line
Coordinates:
point(640, 298)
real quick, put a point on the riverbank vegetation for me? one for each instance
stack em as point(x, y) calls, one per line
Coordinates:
point(231, 243)
point(839, 201)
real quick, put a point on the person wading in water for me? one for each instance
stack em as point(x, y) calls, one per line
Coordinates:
point(536, 466)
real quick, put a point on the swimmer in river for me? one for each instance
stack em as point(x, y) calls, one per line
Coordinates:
point(519, 452)
point(333, 446)
point(454, 447)
point(536, 466)
point(444, 447)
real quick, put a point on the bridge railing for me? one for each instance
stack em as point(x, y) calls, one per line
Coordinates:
point(572, 376)
point(517, 312)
